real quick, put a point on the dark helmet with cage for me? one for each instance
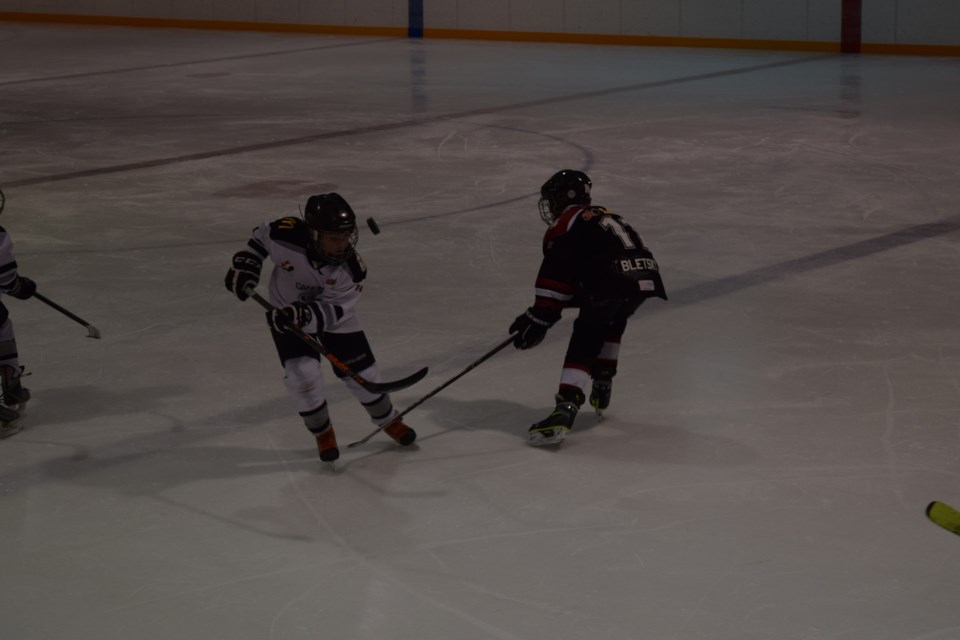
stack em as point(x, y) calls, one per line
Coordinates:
point(564, 188)
point(333, 227)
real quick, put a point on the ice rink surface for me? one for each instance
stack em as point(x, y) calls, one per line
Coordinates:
point(777, 427)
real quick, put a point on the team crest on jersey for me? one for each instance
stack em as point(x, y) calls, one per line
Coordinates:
point(593, 212)
point(286, 266)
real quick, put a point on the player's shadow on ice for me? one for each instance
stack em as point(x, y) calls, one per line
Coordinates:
point(80, 404)
point(65, 405)
point(163, 454)
point(168, 464)
point(154, 440)
point(609, 438)
point(185, 479)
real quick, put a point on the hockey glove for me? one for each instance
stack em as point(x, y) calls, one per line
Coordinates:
point(531, 326)
point(22, 288)
point(297, 315)
point(244, 274)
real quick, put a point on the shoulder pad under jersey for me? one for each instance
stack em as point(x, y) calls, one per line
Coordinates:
point(357, 267)
point(290, 231)
point(595, 213)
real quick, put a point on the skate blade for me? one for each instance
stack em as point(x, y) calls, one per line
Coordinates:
point(10, 428)
point(537, 439)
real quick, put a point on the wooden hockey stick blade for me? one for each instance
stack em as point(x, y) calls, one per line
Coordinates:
point(369, 385)
point(944, 515)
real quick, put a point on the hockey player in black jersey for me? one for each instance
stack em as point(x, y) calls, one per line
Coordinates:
point(315, 284)
point(595, 261)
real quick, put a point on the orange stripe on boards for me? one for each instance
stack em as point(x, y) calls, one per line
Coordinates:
point(705, 43)
point(631, 40)
point(911, 49)
point(216, 25)
point(477, 34)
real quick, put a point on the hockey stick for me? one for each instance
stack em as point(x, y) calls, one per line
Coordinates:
point(434, 392)
point(92, 331)
point(340, 365)
point(944, 515)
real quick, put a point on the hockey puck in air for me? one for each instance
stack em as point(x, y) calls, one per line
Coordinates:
point(374, 227)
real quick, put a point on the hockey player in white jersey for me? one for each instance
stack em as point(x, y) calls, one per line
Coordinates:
point(15, 396)
point(315, 284)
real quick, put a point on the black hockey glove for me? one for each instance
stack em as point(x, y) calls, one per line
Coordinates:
point(23, 288)
point(531, 326)
point(244, 274)
point(297, 315)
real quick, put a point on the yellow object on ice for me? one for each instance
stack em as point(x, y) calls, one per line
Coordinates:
point(945, 516)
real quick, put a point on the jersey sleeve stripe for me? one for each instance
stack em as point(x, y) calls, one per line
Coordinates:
point(257, 247)
point(559, 286)
point(551, 294)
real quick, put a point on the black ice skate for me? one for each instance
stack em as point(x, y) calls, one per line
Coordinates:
point(9, 422)
point(554, 428)
point(15, 395)
point(600, 394)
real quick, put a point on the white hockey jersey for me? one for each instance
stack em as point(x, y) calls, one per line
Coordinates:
point(298, 278)
point(8, 266)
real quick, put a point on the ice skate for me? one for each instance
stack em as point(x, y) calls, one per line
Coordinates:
point(400, 432)
point(554, 428)
point(15, 395)
point(600, 394)
point(9, 422)
point(327, 445)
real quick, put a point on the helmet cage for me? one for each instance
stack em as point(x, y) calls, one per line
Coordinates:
point(324, 246)
point(563, 189)
point(546, 210)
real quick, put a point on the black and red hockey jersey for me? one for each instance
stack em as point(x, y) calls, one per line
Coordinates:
point(590, 252)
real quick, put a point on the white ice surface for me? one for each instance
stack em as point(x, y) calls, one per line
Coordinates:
point(777, 427)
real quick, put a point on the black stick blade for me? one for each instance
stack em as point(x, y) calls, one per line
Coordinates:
point(396, 385)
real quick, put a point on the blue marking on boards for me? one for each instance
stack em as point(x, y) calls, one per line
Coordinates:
point(415, 19)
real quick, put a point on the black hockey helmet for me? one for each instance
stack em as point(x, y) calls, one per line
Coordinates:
point(564, 188)
point(329, 216)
